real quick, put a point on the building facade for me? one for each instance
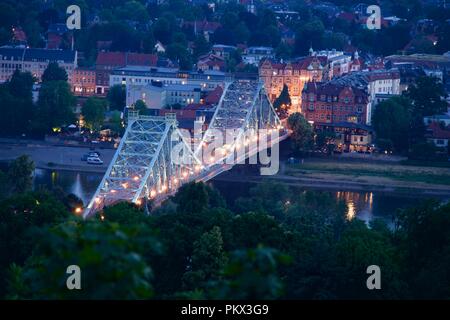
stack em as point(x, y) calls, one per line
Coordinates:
point(34, 61)
point(292, 74)
point(210, 62)
point(161, 96)
point(108, 61)
point(331, 103)
point(83, 82)
point(254, 55)
point(207, 80)
point(378, 84)
point(349, 137)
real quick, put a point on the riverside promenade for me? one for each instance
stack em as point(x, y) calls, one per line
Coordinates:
point(52, 156)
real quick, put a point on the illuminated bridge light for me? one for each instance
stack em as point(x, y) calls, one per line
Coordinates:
point(233, 112)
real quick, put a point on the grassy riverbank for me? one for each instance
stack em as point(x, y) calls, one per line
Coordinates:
point(371, 172)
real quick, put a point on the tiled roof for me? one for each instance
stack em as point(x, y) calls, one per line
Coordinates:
point(436, 131)
point(125, 58)
point(301, 64)
point(332, 89)
point(214, 96)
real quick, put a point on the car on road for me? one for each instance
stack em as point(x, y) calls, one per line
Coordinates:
point(94, 160)
point(93, 154)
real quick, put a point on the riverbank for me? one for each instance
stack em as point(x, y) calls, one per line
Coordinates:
point(66, 158)
point(342, 185)
point(334, 174)
point(338, 175)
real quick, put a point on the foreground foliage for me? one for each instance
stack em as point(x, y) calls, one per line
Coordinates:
point(274, 244)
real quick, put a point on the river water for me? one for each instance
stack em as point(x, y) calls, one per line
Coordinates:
point(362, 205)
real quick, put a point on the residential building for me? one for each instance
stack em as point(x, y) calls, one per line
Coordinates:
point(158, 96)
point(337, 63)
point(432, 65)
point(332, 103)
point(349, 136)
point(109, 61)
point(136, 75)
point(254, 55)
point(222, 50)
point(210, 62)
point(83, 81)
point(443, 119)
point(439, 134)
point(292, 74)
point(426, 61)
point(34, 61)
point(377, 82)
point(153, 96)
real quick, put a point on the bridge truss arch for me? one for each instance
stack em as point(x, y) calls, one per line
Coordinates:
point(144, 165)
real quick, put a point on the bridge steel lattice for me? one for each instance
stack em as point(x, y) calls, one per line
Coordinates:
point(143, 166)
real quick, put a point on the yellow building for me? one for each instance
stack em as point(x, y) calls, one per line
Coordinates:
point(294, 74)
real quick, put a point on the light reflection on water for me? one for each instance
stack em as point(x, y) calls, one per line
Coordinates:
point(360, 203)
point(363, 205)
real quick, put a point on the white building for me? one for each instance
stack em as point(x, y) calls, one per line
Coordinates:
point(254, 55)
point(34, 61)
point(136, 75)
point(158, 96)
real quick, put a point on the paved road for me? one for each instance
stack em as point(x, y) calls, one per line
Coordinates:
point(65, 158)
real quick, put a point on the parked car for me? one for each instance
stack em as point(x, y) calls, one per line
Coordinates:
point(94, 160)
point(93, 154)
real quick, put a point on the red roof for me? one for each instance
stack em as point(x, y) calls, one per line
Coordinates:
point(125, 58)
point(214, 96)
point(142, 59)
point(331, 89)
point(302, 64)
point(19, 34)
point(438, 132)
